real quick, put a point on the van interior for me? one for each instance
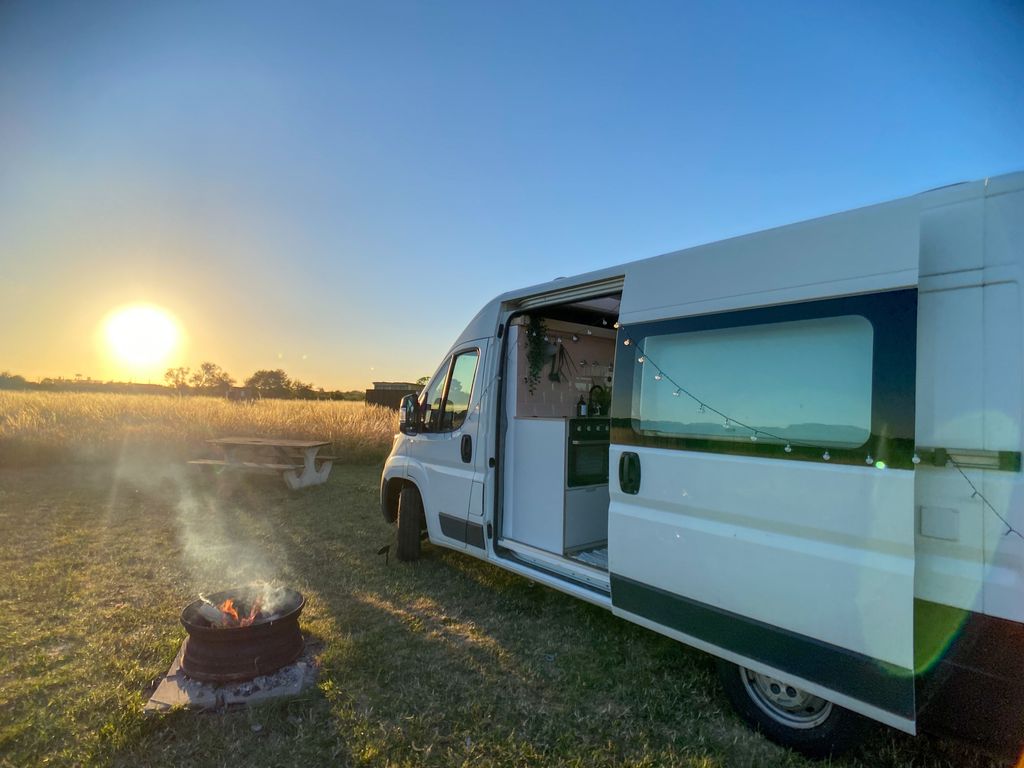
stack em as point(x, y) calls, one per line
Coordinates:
point(554, 506)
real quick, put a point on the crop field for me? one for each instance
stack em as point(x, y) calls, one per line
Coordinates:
point(37, 427)
point(448, 661)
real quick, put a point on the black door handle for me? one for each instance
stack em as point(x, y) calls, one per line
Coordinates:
point(467, 449)
point(629, 472)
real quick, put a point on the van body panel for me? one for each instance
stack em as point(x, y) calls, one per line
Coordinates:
point(813, 557)
point(818, 572)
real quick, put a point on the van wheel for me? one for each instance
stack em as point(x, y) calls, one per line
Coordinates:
point(410, 521)
point(788, 715)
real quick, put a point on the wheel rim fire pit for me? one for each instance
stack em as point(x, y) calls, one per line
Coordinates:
point(242, 633)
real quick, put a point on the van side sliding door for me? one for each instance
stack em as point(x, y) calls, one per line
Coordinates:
point(762, 491)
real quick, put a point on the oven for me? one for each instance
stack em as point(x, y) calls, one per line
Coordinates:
point(587, 453)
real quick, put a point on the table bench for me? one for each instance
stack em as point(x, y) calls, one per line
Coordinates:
point(295, 460)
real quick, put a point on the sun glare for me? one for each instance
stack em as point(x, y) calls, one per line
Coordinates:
point(141, 337)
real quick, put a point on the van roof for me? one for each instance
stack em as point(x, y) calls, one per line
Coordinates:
point(866, 249)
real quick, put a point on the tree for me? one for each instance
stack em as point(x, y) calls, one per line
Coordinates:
point(10, 380)
point(177, 378)
point(302, 389)
point(211, 376)
point(271, 383)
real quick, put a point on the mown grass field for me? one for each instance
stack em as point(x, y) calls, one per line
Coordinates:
point(445, 662)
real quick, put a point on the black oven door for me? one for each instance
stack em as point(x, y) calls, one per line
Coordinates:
point(587, 453)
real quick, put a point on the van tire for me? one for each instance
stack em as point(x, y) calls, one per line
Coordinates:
point(818, 730)
point(410, 522)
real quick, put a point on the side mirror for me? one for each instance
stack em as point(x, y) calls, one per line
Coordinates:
point(408, 415)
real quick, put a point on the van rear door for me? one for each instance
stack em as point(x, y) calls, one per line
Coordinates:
point(762, 491)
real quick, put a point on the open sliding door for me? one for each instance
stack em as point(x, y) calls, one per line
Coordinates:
point(762, 491)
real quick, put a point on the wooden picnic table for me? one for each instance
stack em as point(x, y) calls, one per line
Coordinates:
point(295, 460)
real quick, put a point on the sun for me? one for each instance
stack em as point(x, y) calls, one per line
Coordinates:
point(141, 337)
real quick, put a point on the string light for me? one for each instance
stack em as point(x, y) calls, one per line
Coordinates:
point(826, 456)
point(869, 459)
point(676, 393)
point(658, 377)
point(641, 359)
point(615, 325)
point(788, 448)
point(753, 437)
point(626, 342)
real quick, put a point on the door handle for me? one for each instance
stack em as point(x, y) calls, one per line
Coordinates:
point(467, 449)
point(629, 472)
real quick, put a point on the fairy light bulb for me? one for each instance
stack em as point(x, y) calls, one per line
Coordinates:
point(625, 342)
point(753, 438)
point(869, 459)
point(915, 459)
point(615, 325)
point(641, 359)
point(727, 425)
point(676, 393)
point(658, 377)
point(788, 448)
point(826, 456)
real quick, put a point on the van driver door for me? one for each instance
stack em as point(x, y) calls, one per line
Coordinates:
point(445, 459)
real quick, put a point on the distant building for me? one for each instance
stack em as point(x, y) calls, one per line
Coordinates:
point(390, 393)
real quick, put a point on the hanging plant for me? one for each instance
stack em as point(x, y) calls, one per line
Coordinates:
point(536, 350)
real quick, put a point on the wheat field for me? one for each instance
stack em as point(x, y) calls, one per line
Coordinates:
point(40, 427)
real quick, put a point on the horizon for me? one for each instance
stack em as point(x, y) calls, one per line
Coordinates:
point(336, 190)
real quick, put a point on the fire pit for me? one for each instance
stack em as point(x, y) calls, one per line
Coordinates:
point(241, 633)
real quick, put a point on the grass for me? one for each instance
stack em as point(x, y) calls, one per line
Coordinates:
point(41, 427)
point(448, 661)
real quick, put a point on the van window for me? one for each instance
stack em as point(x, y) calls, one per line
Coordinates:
point(445, 400)
point(459, 390)
point(430, 400)
point(824, 380)
point(804, 381)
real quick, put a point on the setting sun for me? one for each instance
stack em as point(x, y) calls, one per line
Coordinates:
point(140, 337)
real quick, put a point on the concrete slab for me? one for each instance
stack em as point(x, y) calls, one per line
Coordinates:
point(177, 690)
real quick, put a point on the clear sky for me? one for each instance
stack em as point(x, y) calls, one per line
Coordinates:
point(336, 188)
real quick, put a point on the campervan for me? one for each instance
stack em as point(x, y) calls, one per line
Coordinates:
point(798, 450)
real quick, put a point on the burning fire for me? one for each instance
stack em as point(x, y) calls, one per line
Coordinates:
point(226, 614)
point(231, 617)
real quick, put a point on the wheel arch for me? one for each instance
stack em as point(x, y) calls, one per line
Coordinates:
point(390, 489)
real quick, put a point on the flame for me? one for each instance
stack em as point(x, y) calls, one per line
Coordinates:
point(228, 609)
point(253, 613)
point(231, 617)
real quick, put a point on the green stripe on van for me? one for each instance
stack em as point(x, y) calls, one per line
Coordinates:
point(874, 682)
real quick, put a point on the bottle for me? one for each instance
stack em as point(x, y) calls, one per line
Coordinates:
point(581, 407)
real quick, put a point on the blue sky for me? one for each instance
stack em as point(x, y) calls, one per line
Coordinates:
point(336, 188)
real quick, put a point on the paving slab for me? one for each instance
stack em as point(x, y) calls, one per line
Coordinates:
point(177, 690)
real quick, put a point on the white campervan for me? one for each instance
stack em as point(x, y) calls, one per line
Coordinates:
point(798, 450)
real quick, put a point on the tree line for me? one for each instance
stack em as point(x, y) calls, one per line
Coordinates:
point(208, 379)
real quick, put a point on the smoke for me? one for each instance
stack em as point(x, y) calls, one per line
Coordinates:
point(224, 537)
point(221, 542)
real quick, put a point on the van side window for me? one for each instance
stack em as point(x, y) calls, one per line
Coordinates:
point(456, 405)
point(445, 400)
point(805, 381)
point(430, 400)
point(826, 380)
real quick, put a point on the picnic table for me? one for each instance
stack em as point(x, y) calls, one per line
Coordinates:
point(295, 460)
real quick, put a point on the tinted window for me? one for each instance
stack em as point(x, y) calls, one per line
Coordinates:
point(430, 400)
point(805, 381)
point(831, 379)
point(460, 389)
